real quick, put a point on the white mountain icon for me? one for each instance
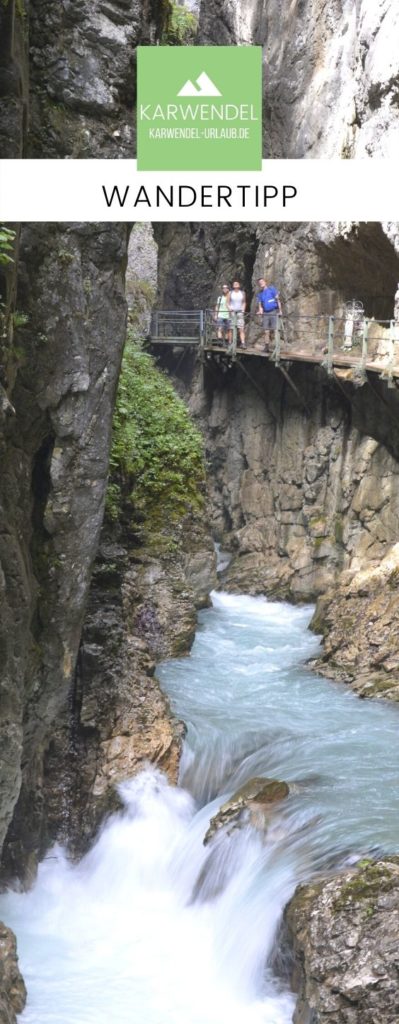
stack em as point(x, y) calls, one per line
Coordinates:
point(205, 87)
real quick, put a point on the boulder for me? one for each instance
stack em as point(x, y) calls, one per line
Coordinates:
point(343, 932)
point(251, 804)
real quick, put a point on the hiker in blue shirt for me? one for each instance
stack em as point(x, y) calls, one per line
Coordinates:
point(269, 307)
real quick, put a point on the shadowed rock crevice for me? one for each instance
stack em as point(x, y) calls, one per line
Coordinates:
point(363, 265)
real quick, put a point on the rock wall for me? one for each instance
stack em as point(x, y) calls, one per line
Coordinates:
point(358, 618)
point(54, 474)
point(301, 494)
point(304, 482)
point(331, 72)
point(317, 267)
point(343, 935)
point(71, 93)
point(141, 609)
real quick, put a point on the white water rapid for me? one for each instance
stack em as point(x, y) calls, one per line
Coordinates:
point(154, 928)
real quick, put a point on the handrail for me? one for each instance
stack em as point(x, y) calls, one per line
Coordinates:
point(331, 340)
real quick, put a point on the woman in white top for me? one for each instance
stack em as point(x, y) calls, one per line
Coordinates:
point(238, 305)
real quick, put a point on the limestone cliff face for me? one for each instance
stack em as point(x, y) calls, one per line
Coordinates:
point(71, 93)
point(331, 72)
point(304, 483)
point(54, 470)
point(82, 69)
point(358, 618)
point(141, 609)
point(342, 932)
point(304, 493)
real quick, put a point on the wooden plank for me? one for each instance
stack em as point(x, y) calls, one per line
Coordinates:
point(346, 361)
point(176, 341)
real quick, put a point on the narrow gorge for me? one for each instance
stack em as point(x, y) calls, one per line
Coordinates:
point(106, 560)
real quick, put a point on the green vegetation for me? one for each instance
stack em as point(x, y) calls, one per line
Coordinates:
point(19, 319)
point(370, 881)
point(7, 239)
point(10, 320)
point(19, 7)
point(144, 298)
point(180, 28)
point(339, 530)
point(6, 245)
point(65, 256)
point(157, 469)
point(393, 579)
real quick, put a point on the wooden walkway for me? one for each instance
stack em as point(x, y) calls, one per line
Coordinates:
point(347, 349)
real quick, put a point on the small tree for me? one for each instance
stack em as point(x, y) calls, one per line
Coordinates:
point(181, 27)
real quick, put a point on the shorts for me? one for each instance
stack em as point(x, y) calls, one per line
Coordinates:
point(223, 321)
point(240, 321)
point(270, 320)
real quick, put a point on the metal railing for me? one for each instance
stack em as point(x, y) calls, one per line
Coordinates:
point(326, 339)
point(180, 327)
point(334, 341)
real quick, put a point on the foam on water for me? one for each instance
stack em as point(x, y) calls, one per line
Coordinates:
point(122, 937)
point(153, 926)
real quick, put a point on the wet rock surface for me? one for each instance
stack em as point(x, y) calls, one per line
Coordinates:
point(71, 95)
point(344, 936)
point(55, 451)
point(141, 609)
point(359, 622)
point(251, 805)
point(297, 500)
point(12, 988)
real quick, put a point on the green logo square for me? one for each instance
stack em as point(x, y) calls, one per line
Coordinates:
point(199, 108)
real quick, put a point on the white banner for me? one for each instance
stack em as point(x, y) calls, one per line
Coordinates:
point(113, 190)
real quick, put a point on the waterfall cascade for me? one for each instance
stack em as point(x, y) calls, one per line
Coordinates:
point(153, 924)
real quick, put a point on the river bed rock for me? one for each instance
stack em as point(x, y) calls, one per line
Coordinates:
point(12, 987)
point(251, 805)
point(343, 932)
